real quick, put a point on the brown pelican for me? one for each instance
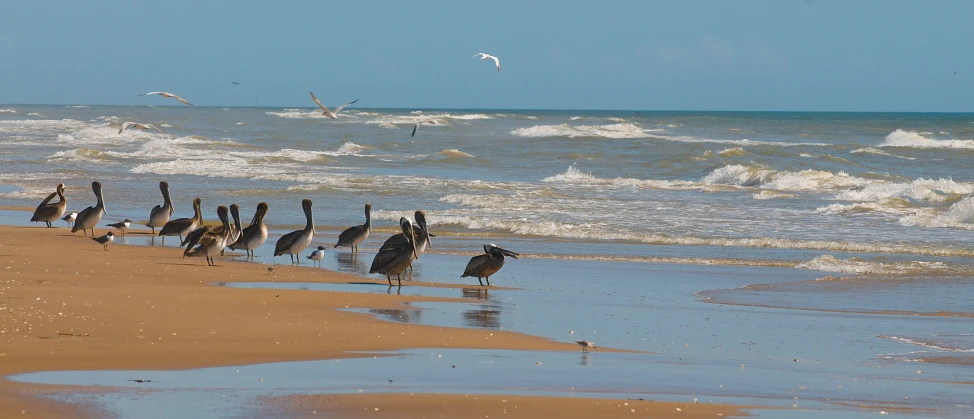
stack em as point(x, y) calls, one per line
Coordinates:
point(585, 345)
point(160, 214)
point(254, 235)
point(421, 235)
point(89, 217)
point(294, 242)
point(235, 227)
point(122, 226)
point(70, 218)
point(318, 255)
point(487, 264)
point(105, 240)
point(168, 95)
point(326, 112)
point(47, 212)
point(394, 260)
point(352, 236)
point(183, 226)
point(139, 126)
point(207, 241)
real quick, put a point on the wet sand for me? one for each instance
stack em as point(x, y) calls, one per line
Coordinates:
point(69, 305)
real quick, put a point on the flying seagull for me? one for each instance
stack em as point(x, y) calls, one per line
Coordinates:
point(484, 56)
point(235, 83)
point(328, 113)
point(139, 126)
point(427, 122)
point(167, 95)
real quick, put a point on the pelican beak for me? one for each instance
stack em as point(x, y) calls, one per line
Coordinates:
point(509, 253)
point(407, 230)
point(426, 231)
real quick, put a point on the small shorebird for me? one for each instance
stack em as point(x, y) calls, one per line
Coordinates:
point(122, 226)
point(183, 226)
point(207, 241)
point(139, 126)
point(421, 235)
point(168, 95)
point(352, 236)
point(270, 270)
point(487, 264)
point(427, 122)
point(294, 242)
point(105, 240)
point(585, 345)
point(48, 213)
point(394, 260)
point(326, 112)
point(484, 56)
point(89, 217)
point(254, 235)
point(317, 255)
point(70, 218)
point(159, 215)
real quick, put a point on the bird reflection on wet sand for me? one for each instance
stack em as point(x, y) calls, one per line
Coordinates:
point(398, 315)
point(349, 262)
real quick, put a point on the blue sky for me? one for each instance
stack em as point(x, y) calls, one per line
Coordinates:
point(815, 55)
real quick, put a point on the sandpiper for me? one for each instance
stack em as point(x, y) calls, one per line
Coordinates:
point(585, 345)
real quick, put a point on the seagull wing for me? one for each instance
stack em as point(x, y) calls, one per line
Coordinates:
point(190, 104)
point(480, 54)
point(415, 127)
point(152, 93)
point(125, 125)
point(319, 103)
point(496, 61)
point(157, 129)
point(339, 109)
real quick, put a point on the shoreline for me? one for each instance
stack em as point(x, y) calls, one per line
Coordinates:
point(88, 309)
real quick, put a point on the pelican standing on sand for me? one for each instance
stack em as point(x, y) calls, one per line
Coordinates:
point(394, 260)
point(168, 95)
point(183, 226)
point(89, 217)
point(105, 240)
point(294, 242)
point(484, 56)
point(70, 218)
point(207, 241)
point(122, 226)
point(159, 215)
point(326, 112)
point(234, 227)
point(139, 126)
point(254, 235)
point(421, 236)
point(352, 236)
point(47, 212)
point(487, 264)
point(317, 255)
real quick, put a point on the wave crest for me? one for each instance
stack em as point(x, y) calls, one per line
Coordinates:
point(913, 139)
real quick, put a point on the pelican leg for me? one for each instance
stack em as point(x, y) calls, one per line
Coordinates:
point(153, 231)
point(488, 281)
point(399, 278)
point(389, 278)
point(480, 281)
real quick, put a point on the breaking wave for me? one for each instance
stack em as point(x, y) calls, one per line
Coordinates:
point(566, 130)
point(913, 139)
point(829, 263)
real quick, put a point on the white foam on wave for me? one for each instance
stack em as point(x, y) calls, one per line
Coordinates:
point(961, 343)
point(767, 194)
point(878, 152)
point(453, 153)
point(829, 263)
point(294, 113)
point(734, 151)
point(349, 148)
point(959, 215)
point(573, 176)
point(570, 131)
point(913, 139)
point(76, 106)
point(8, 111)
point(889, 206)
point(742, 142)
point(765, 178)
point(926, 190)
point(40, 126)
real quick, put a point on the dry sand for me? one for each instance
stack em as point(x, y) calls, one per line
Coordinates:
point(65, 304)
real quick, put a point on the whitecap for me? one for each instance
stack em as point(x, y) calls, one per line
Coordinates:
point(913, 139)
point(876, 151)
point(566, 130)
point(829, 263)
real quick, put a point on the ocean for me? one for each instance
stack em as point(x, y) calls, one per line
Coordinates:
point(866, 218)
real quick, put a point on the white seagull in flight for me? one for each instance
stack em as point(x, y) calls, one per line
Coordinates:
point(427, 122)
point(167, 94)
point(484, 56)
point(328, 113)
point(139, 126)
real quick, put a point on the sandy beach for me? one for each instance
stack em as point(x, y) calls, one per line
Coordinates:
point(69, 305)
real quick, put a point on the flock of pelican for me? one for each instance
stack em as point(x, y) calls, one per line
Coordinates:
point(394, 257)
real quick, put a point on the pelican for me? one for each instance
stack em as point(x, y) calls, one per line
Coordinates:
point(105, 240)
point(330, 114)
point(585, 345)
point(484, 56)
point(139, 126)
point(235, 227)
point(89, 217)
point(70, 218)
point(427, 122)
point(254, 235)
point(318, 255)
point(160, 214)
point(207, 241)
point(183, 226)
point(47, 212)
point(487, 264)
point(294, 242)
point(168, 95)
point(421, 235)
point(122, 226)
point(352, 236)
point(394, 260)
